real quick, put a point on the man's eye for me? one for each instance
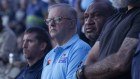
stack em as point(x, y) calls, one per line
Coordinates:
point(59, 19)
point(48, 20)
point(85, 16)
point(98, 14)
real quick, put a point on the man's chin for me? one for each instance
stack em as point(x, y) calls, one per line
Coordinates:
point(25, 55)
point(53, 35)
point(90, 37)
point(28, 58)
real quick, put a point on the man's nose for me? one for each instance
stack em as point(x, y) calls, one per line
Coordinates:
point(90, 20)
point(24, 45)
point(52, 23)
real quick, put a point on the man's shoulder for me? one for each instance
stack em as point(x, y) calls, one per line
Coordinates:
point(80, 43)
point(76, 43)
point(51, 51)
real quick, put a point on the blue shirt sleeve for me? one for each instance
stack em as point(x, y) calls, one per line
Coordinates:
point(75, 61)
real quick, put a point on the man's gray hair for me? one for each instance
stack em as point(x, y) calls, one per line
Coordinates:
point(71, 10)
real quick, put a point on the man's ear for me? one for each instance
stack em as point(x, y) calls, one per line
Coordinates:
point(43, 46)
point(72, 25)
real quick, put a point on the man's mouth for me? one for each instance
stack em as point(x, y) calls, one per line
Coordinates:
point(89, 30)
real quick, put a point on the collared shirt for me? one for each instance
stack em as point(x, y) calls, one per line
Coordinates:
point(33, 72)
point(62, 61)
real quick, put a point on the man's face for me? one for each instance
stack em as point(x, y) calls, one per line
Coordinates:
point(94, 20)
point(58, 23)
point(31, 46)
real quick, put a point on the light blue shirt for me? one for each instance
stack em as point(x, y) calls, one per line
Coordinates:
point(63, 61)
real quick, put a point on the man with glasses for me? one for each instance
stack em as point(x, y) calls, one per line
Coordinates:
point(62, 61)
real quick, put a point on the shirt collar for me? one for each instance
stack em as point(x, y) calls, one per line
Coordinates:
point(37, 65)
point(70, 42)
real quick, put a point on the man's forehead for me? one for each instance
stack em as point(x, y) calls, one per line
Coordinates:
point(59, 9)
point(57, 12)
point(29, 35)
point(96, 8)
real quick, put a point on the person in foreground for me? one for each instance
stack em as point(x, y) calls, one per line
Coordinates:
point(111, 55)
point(63, 60)
point(36, 44)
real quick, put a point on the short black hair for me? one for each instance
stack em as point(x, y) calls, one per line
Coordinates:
point(112, 10)
point(41, 35)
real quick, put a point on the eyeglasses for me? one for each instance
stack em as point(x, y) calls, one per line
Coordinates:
point(56, 19)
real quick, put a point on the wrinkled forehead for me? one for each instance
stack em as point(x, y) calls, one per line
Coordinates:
point(58, 11)
point(97, 8)
point(30, 35)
